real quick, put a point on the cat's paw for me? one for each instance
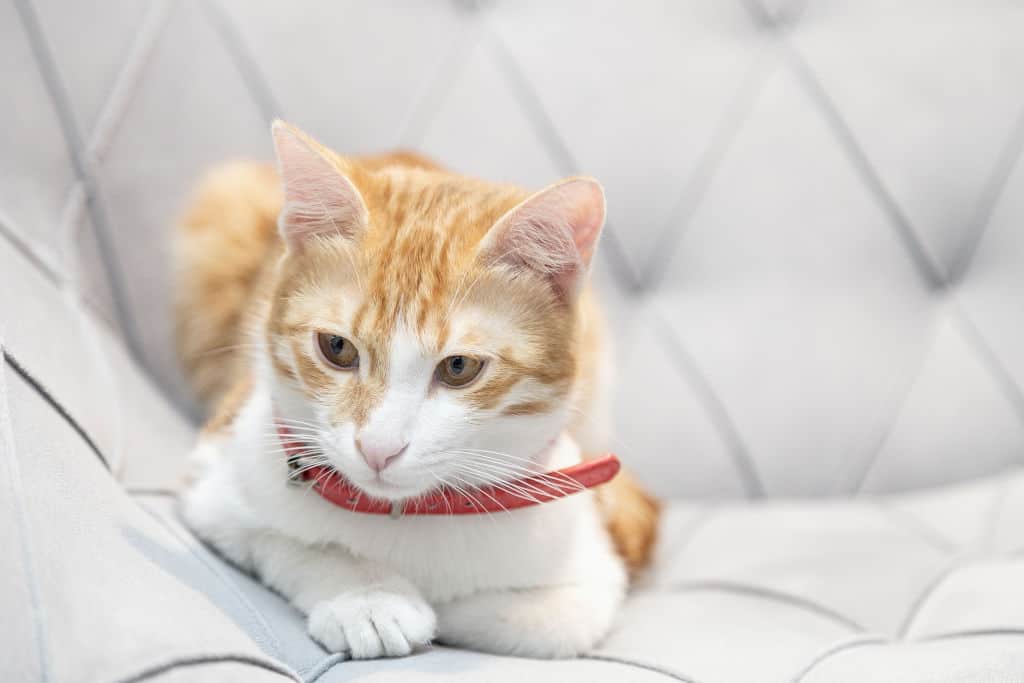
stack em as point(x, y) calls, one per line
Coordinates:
point(372, 623)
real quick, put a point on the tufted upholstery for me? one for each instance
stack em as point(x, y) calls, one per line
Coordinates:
point(813, 269)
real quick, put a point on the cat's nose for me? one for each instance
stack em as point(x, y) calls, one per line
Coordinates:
point(380, 454)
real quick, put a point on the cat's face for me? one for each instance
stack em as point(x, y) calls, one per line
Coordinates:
point(423, 326)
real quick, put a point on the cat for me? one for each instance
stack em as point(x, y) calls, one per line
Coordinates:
point(412, 327)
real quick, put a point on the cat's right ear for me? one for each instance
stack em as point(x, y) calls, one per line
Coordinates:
point(318, 199)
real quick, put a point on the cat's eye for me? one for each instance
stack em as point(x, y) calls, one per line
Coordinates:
point(338, 351)
point(458, 371)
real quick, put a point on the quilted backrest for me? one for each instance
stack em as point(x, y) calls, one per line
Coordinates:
point(815, 254)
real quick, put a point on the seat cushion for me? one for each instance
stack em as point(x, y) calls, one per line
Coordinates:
point(837, 590)
point(918, 587)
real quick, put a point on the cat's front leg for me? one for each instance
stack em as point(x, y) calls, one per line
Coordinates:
point(553, 622)
point(354, 606)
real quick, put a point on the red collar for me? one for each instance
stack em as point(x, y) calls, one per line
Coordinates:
point(540, 488)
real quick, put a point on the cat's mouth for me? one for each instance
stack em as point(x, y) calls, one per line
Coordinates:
point(309, 466)
point(304, 472)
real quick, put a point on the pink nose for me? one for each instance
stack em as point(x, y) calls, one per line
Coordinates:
point(380, 454)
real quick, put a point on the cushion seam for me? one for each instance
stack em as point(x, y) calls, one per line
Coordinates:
point(152, 672)
point(27, 248)
point(38, 260)
point(977, 633)
point(22, 521)
point(52, 401)
point(80, 163)
point(924, 597)
point(767, 594)
point(243, 60)
point(740, 454)
point(264, 625)
point(833, 650)
point(919, 528)
point(330, 662)
point(625, 661)
point(316, 671)
point(863, 642)
point(128, 79)
point(931, 273)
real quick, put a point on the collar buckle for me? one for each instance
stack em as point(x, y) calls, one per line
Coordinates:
point(294, 475)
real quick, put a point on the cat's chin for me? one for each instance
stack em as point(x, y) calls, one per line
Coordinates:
point(385, 490)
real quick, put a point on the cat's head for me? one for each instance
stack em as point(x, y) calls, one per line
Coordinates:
point(422, 326)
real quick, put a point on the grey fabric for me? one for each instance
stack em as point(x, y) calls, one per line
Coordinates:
point(102, 577)
point(36, 174)
point(996, 658)
point(81, 362)
point(792, 586)
point(215, 672)
point(811, 256)
point(813, 268)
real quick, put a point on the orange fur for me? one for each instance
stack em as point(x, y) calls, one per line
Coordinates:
point(238, 286)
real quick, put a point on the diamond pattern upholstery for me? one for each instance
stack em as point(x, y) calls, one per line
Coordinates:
point(813, 269)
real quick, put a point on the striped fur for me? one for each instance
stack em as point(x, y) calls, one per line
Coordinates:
point(405, 261)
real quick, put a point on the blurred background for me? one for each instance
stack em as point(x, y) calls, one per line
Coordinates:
point(815, 250)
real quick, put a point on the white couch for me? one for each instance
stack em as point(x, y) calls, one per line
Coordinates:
point(814, 269)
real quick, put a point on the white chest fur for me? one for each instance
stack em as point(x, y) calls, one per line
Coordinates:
point(243, 490)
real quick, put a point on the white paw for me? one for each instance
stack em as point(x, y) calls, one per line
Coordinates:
point(372, 623)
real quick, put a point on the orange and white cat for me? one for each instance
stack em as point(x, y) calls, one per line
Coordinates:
point(415, 329)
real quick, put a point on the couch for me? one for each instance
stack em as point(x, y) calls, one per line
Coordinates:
point(813, 268)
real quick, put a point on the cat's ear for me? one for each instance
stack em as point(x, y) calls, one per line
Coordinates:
point(318, 198)
point(554, 233)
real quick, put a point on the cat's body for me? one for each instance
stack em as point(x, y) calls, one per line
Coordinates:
point(393, 282)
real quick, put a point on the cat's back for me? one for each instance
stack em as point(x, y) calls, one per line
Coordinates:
point(224, 243)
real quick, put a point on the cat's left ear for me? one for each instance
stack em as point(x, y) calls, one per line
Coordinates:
point(554, 233)
point(319, 200)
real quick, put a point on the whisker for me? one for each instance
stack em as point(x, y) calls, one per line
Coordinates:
point(320, 478)
point(272, 438)
point(470, 496)
point(524, 491)
point(494, 468)
point(495, 473)
point(534, 470)
point(442, 486)
point(301, 431)
point(296, 422)
point(296, 425)
point(540, 473)
point(531, 467)
point(486, 493)
point(304, 453)
point(305, 468)
point(503, 454)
